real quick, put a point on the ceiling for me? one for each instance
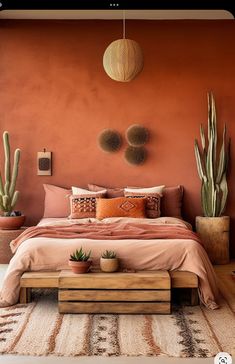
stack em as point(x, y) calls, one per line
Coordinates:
point(116, 14)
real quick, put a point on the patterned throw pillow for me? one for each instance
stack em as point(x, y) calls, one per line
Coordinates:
point(153, 201)
point(120, 207)
point(84, 205)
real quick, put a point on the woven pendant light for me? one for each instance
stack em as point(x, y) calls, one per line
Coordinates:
point(123, 59)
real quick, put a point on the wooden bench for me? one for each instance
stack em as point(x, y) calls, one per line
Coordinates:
point(139, 292)
point(43, 279)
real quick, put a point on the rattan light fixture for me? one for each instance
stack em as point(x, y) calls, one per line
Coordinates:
point(123, 59)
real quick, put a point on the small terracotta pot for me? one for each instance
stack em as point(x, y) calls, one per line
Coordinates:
point(109, 265)
point(80, 267)
point(11, 222)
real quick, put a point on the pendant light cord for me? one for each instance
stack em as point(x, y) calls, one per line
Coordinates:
point(124, 24)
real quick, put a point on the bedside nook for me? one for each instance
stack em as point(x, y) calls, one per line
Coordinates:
point(6, 236)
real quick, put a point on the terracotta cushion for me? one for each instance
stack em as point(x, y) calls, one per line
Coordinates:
point(56, 201)
point(111, 192)
point(84, 205)
point(120, 207)
point(171, 202)
point(153, 201)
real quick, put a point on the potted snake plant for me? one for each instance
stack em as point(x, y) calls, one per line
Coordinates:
point(213, 226)
point(9, 219)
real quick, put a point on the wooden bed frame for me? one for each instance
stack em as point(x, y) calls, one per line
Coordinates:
point(46, 279)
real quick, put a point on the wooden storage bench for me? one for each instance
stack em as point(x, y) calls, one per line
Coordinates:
point(43, 279)
point(140, 292)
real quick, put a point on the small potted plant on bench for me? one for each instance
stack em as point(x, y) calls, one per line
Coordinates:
point(79, 261)
point(109, 261)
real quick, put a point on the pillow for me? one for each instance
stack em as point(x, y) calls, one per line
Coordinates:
point(56, 201)
point(84, 204)
point(153, 201)
point(120, 207)
point(80, 191)
point(156, 189)
point(111, 192)
point(171, 202)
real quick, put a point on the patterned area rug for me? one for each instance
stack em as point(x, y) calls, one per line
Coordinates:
point(38, 329)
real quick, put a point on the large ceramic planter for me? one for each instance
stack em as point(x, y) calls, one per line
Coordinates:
point(214, 233)
point(80, 267)
point(109, 265)
point(11, 222)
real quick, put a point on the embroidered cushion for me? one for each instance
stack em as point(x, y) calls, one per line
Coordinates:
point(153, 202)
point(120, 207)
point(84, 204)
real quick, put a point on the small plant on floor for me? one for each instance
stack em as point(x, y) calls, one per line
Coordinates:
point(80, 261)
point(80, 256)
point(109, 261)
point(109, 254)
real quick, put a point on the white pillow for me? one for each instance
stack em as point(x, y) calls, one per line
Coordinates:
point(157, 189)
point(82, 191)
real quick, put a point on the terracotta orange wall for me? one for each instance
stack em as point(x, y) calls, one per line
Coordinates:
point(55, 94)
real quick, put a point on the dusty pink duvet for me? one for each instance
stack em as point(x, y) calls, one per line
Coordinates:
point(52, 253)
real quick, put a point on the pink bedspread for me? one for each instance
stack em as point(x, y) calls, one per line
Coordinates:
point(136, 251)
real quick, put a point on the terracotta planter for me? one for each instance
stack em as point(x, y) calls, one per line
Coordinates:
point(109, 265)
point(80, 267)
point(214, 233)
point(11, 222)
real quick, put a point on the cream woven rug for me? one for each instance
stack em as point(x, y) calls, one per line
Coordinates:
point(38, 329)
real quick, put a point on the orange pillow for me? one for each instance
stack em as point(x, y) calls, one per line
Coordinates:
point(120, 207)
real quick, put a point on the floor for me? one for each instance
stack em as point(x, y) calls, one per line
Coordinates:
point(227, 287)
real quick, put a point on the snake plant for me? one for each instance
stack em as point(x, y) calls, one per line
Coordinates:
point(211, 166)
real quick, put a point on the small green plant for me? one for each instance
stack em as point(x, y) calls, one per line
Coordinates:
point(108, 254)
point(80, 256)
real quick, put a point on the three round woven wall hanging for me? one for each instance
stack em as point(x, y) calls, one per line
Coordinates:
point(137, 136)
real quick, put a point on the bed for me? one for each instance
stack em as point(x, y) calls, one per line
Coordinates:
point(40, 251)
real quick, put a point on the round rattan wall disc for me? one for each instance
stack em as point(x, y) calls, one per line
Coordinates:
point(110, 140)
point(137, 135)
point(135, 155)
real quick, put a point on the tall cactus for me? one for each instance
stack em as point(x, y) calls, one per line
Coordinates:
point(8, 195)
point(212, 170)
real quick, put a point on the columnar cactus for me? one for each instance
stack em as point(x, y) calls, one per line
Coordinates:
point(212, 170)
point(8, 195)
